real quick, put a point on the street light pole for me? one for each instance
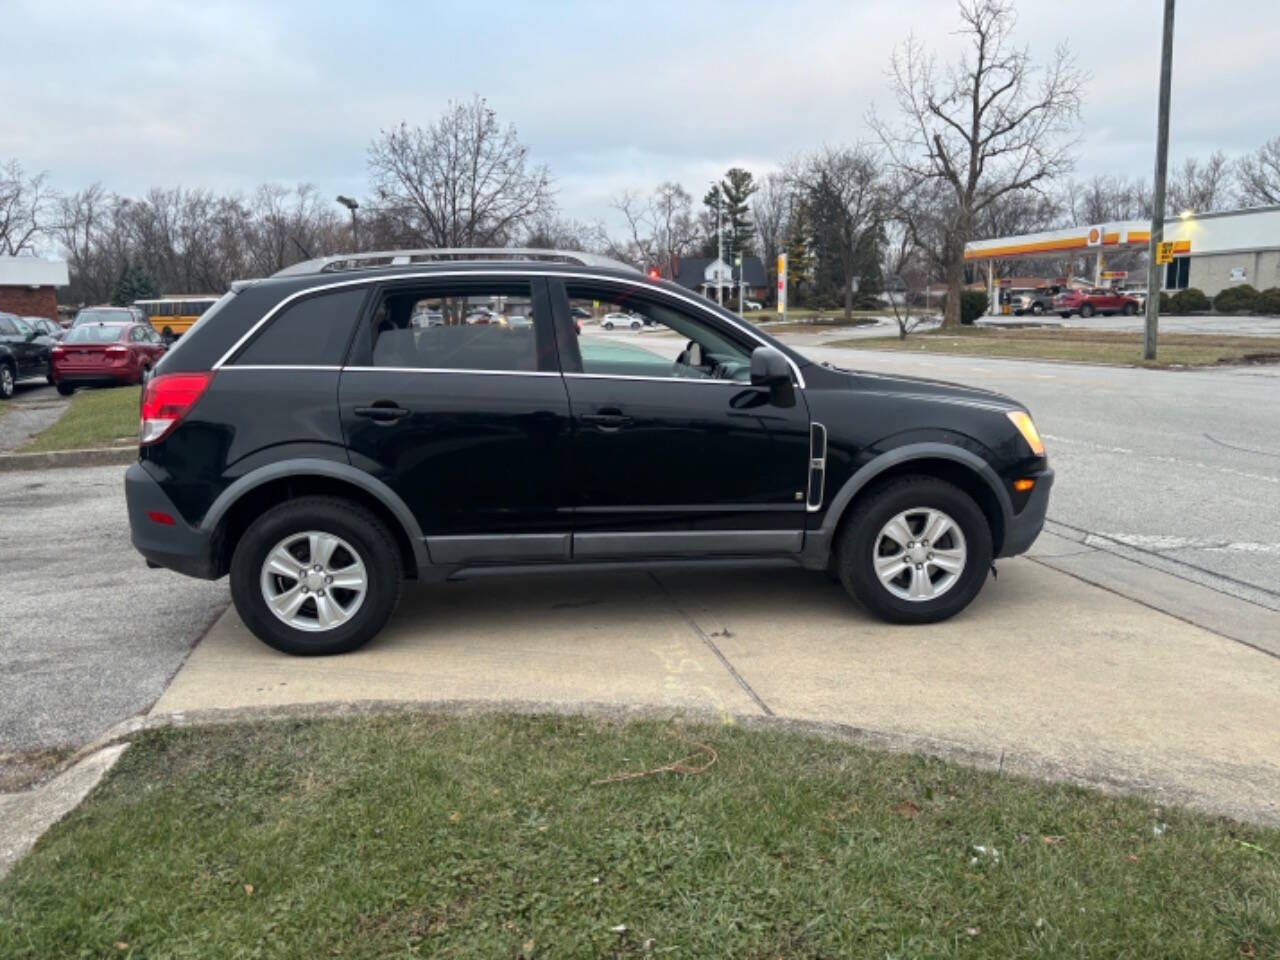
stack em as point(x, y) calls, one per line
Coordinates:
point(351, 205)
point(1157, 200)
point(719, 250)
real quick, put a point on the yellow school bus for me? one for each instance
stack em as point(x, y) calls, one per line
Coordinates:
point(173, 316)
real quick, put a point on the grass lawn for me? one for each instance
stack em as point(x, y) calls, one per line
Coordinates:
point(94, 418)
point(488, 837)
point(1091, 346)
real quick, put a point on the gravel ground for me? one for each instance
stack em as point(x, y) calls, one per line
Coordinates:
point(88, 635)
point(35, 406)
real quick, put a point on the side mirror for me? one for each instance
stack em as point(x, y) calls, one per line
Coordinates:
point(769, 368)
point(32, 334)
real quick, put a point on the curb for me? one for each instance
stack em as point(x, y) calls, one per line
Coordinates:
point(55, 459)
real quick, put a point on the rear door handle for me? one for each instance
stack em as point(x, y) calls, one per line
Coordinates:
point(384, 410)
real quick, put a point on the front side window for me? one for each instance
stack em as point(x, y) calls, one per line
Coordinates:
point(24, 328)
point(633, 335)
point(8, 326)
point(470, 326)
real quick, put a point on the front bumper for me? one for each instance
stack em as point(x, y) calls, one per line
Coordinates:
point(1025, 526)
point(177, 546)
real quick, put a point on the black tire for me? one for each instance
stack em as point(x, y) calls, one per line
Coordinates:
point(65, 389)
point(1065, 314)
point(7, 380)
point(1086, 310)
point(342, 518)
point(608, 326)
point(1130, 309)
point(858, 543)
point(1037, 309)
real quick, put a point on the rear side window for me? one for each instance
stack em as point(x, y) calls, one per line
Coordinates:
point(310, 332)
point(481, 325)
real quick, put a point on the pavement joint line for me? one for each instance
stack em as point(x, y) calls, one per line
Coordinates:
point(1212, 574)
point(711, 645)
point(1044, 562)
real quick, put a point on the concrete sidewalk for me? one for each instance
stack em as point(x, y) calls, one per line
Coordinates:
point(1044, 674)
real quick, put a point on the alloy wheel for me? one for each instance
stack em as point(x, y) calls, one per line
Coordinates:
point(919, 554)
point(314, 581)
point(6, 381)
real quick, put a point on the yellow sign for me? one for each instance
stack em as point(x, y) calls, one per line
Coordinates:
point(1164, 252)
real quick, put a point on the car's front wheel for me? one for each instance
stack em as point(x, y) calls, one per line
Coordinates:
point(65, 389)
point(916, 550)
point(317, 575)
point(1087, 310)
point(1130, 309)
point(6, 381)
point(1037, 309)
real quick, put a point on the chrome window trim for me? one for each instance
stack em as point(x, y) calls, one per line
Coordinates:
point(642, 283)
point(283, 366)
point(486, 373)
point(623, 376)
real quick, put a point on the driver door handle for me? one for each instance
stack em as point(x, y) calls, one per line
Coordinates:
point(608, 419)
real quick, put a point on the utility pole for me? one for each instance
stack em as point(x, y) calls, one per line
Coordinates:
point(1157, 207)
point(719, 251)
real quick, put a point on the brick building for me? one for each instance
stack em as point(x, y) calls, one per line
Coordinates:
point(28, 286)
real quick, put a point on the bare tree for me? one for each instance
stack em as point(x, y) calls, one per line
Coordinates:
point(660, 228)
point(844, 190)
point(770, 209)
point(561, 233)
point(26, 205)
point(463, 181)
point(907, 269)
point(1258, 176)
point(1200, 187)
point(990, 124)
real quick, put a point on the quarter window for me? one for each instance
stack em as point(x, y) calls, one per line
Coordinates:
point(483, 326)
point(633, 335)
point(312, 332)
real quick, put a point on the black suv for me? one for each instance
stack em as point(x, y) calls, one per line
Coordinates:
point(311, 440)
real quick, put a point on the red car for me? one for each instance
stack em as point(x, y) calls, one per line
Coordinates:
point(104, 354)
point(1088, 302)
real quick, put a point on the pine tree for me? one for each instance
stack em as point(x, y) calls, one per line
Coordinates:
point(799, 253)
point(737, 188)
point(134, 283)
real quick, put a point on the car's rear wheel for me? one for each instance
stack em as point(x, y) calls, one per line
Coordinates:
point(1037, 309)
point(1065, 314)
point(635, 324)
point(316, 576)
point(1130, 309)
point(65, 389)
point(1086, 310)
point(608, 325)
point(916, 550)
point(6, 381)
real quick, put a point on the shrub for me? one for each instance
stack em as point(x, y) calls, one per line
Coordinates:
point(1164, 303)
point(973, 304)
point(1190, 300)
point(1234, 299)
point(1268, 302)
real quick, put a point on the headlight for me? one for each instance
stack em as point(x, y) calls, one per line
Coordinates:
point(1022, 420)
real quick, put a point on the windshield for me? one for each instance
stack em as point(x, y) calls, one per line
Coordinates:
point(98, 333)
point(23, 325)
point(100, 316)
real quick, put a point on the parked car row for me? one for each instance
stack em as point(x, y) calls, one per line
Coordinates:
point(1071, 301)
point(92, 353)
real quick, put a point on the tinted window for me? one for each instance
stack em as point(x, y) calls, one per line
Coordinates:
point(309, 332)
point(8, 327)
point(100, 316)
point(488, 326)
point(23, 326)
point(97, 333)
point(632, 335)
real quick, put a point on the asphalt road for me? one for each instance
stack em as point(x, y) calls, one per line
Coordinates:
point(1179, 470)
point(88, 635)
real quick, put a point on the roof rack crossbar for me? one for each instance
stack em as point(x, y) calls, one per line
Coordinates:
point(397, 258)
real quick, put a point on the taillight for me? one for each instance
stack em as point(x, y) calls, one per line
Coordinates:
point(166, 400)
point(57, 350)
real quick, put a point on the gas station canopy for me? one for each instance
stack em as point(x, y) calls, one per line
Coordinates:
point(1077, 240)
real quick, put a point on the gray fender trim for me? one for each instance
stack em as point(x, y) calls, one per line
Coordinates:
point(817, 543)
point(316, 467)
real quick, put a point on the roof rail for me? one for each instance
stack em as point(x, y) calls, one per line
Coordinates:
point(397, 258)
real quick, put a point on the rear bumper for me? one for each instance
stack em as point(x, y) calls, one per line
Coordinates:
point(101, 377)
point(177, 546)
point(1024, 527)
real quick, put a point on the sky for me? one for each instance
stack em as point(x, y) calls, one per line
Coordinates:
point(609, 95)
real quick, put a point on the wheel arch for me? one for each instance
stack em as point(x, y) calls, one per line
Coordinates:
point(264, 488)
point(956, 465)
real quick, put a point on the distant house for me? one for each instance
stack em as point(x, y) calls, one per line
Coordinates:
point(28, 286)
point(706, 274)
